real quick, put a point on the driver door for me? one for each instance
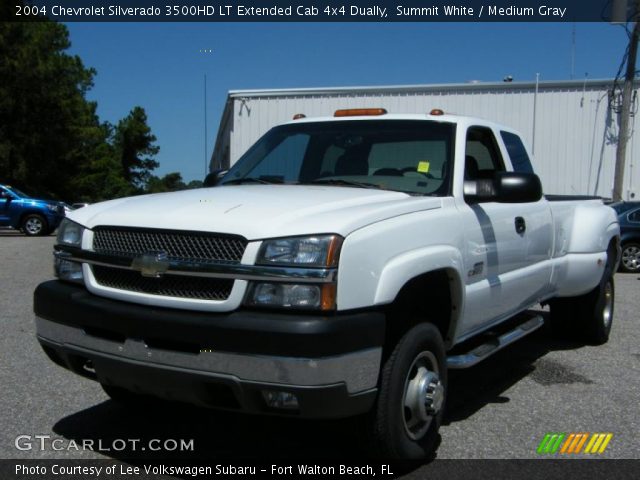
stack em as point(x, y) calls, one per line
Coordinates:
point(497, 241)
point(5, 201)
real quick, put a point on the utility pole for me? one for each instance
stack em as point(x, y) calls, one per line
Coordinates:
point(573, 51)
point(206, 132)
point(535, 109)
point(625, 114)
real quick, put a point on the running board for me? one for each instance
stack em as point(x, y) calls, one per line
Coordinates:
point(487, 349)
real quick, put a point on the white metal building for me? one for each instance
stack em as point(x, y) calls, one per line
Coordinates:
point(571, 125)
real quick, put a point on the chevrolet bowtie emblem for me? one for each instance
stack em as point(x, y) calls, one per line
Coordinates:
point(151, 264)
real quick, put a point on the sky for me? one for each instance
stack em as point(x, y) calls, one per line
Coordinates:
point(161, 66)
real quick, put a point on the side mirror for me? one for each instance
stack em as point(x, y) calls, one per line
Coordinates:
point(213, 179)
point(504, 187)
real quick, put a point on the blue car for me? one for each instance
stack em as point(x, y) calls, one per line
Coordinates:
point(629, 218)
point(31, 215)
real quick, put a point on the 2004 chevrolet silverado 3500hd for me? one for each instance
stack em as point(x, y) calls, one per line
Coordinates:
point(340, 268)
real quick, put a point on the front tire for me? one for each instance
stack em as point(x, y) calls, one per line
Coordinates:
point(34, 225)
point(413, 384)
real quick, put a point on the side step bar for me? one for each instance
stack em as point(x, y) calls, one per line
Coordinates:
point(487, 349)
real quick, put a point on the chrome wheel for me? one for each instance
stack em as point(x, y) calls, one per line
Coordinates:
point(631, 258)
point(607, 310)
point(423, 395)
point(33, 226)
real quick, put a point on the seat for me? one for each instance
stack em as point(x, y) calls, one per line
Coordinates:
point(471, 169)
point(352, 163)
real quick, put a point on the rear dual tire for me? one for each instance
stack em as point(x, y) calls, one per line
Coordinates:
point(586, 317)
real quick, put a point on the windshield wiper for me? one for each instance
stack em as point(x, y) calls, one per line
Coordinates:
point(346, 183)
point(238, 181)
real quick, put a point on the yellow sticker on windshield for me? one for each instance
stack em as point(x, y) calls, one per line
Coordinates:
point(423, 167)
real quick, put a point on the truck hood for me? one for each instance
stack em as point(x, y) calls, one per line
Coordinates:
point(257, 211)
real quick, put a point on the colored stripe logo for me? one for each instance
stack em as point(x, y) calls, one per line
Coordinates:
point(572, 443)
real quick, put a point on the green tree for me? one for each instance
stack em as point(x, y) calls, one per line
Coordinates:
point(134, 144)
point(171, 182)
point(48, 130)
point(52, 142)
point(101, 177)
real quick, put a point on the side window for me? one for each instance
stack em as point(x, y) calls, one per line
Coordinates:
point(284, 161)
point(517, 153)
point(634, 216)
point(482, 155)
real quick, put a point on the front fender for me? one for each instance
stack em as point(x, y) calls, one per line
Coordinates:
point(408, 265)
point(377, 261)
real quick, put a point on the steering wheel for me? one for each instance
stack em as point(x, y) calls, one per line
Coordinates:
point(413, 170)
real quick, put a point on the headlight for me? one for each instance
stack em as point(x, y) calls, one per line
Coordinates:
point(70, 233)
point(315, 251)
point(268, 294)
point(53, 208)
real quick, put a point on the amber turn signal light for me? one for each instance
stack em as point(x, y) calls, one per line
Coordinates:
point(359, 112)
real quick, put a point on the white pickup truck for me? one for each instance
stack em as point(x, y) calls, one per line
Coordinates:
point(340, 268)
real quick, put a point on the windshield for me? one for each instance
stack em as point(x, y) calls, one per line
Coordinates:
point(412, 156)
point(17, 192)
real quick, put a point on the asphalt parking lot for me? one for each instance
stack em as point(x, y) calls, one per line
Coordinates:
point(501, 408)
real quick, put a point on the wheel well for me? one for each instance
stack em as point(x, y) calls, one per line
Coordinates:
point(432, 297)
point(613, 254)
point(31, 212)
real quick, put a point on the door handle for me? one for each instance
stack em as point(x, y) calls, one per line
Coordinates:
point(521, 225)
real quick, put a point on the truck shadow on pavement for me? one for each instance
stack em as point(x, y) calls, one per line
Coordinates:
point(472, 389)
point(233, 436)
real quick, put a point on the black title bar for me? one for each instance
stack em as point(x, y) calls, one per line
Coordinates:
point(113, 469)
point(317, 11)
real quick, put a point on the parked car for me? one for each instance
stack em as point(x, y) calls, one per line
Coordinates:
point(31, 215)
point(629, 218)
point(341, 267)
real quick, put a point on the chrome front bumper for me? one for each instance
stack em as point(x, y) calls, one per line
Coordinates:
point(358, 371)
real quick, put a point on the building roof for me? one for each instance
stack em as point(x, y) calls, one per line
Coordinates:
point(479, 86)
point(470, 87)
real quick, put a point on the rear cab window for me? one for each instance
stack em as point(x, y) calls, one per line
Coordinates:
point(517, 152)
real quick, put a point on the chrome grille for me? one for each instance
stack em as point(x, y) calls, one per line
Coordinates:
point(200, 288)
point(178, 245)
